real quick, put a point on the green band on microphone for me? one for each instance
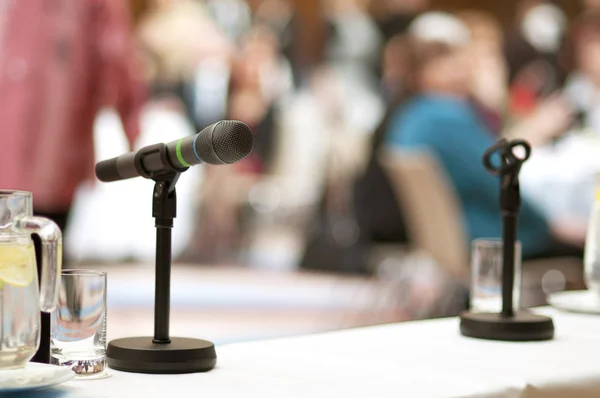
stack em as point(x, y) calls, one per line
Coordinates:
point(179, 155)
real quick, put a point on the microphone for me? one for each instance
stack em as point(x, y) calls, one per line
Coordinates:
point(224, 142)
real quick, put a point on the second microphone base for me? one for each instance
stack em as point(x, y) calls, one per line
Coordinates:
point(141, 355)
point(523, 326)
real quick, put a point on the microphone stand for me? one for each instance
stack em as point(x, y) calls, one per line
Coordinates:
point(508, 325)
point(162, 354)
point(164, 207)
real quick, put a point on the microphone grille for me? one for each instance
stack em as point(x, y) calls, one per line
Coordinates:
point(232, 141)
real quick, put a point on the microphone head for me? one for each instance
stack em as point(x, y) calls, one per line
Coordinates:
point(224, 142)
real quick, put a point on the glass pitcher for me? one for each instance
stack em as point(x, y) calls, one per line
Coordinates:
point(20, 298)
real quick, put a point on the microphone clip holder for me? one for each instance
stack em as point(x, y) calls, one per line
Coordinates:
point(508, 325)
point(161, 354)
point(169, 173)
point(508, 171)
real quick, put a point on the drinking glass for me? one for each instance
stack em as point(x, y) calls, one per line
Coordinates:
point(486, 276)
point(79, 322)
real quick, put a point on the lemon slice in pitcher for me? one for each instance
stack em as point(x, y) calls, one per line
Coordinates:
point(16, 265)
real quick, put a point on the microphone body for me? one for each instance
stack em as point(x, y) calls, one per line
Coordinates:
point(224, 142)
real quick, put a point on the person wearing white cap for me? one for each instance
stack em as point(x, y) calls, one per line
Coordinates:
point(442, 120)
point(440, 27)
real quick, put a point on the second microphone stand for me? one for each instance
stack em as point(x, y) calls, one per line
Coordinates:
point(162, 353)
point(509, 324)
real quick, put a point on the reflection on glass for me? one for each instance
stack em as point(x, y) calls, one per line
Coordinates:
point(79, 322)
point(486, 276)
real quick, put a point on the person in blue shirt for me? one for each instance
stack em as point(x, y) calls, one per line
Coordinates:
point(442, 120)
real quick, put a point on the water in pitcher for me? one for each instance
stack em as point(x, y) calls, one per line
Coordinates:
point(19, 306)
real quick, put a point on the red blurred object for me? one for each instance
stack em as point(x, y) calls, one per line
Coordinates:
point(60, 62)
point(522, 100)
point(251, 165)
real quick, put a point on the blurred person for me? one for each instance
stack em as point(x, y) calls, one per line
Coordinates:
point(233, 16)
point(583, 85)
point(279, 16)
point(489, 91)
point(567, 165)
point(355, 39)
point(394, 71)
point(175, 35)
point(591, 5)
point(187, 56)
point(353, 52)
point(355, 110)
point(60, 62)
point(260, 78)
point(394, 16)
point(324, 165)
point(376, 209)
point(441, 119)
point(532, 52)
point(489, 80)
point(361, 199)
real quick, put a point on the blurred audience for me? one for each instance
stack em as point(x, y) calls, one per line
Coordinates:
point(393, 74)
point(567, 164)
point(441, 119)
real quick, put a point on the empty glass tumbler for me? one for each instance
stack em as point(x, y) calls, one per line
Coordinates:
point(79, 322)
point(486, 276)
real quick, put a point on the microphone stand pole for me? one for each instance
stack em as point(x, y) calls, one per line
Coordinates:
point(509, 204)
point(162, 354)
point(164, 208)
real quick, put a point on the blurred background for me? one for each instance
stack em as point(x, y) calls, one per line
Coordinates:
point(365, 186)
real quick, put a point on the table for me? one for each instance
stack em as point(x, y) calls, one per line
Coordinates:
point(230, 304)
point(413, 359)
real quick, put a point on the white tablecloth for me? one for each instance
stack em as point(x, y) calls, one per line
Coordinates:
point(416, 359)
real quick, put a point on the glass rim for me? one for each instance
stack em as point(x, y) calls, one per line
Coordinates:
point(82, 272)
point(15, 192)
point(491, 242)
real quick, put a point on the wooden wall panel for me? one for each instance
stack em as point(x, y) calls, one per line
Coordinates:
point(504, 10)
point(310, 30)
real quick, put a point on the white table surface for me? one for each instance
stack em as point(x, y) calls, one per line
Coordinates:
point(414, 359)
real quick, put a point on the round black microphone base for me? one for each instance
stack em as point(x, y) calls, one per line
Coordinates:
point(522, 326)
point(141, 355)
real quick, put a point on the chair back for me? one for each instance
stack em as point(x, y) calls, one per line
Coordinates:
point(430, 207)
